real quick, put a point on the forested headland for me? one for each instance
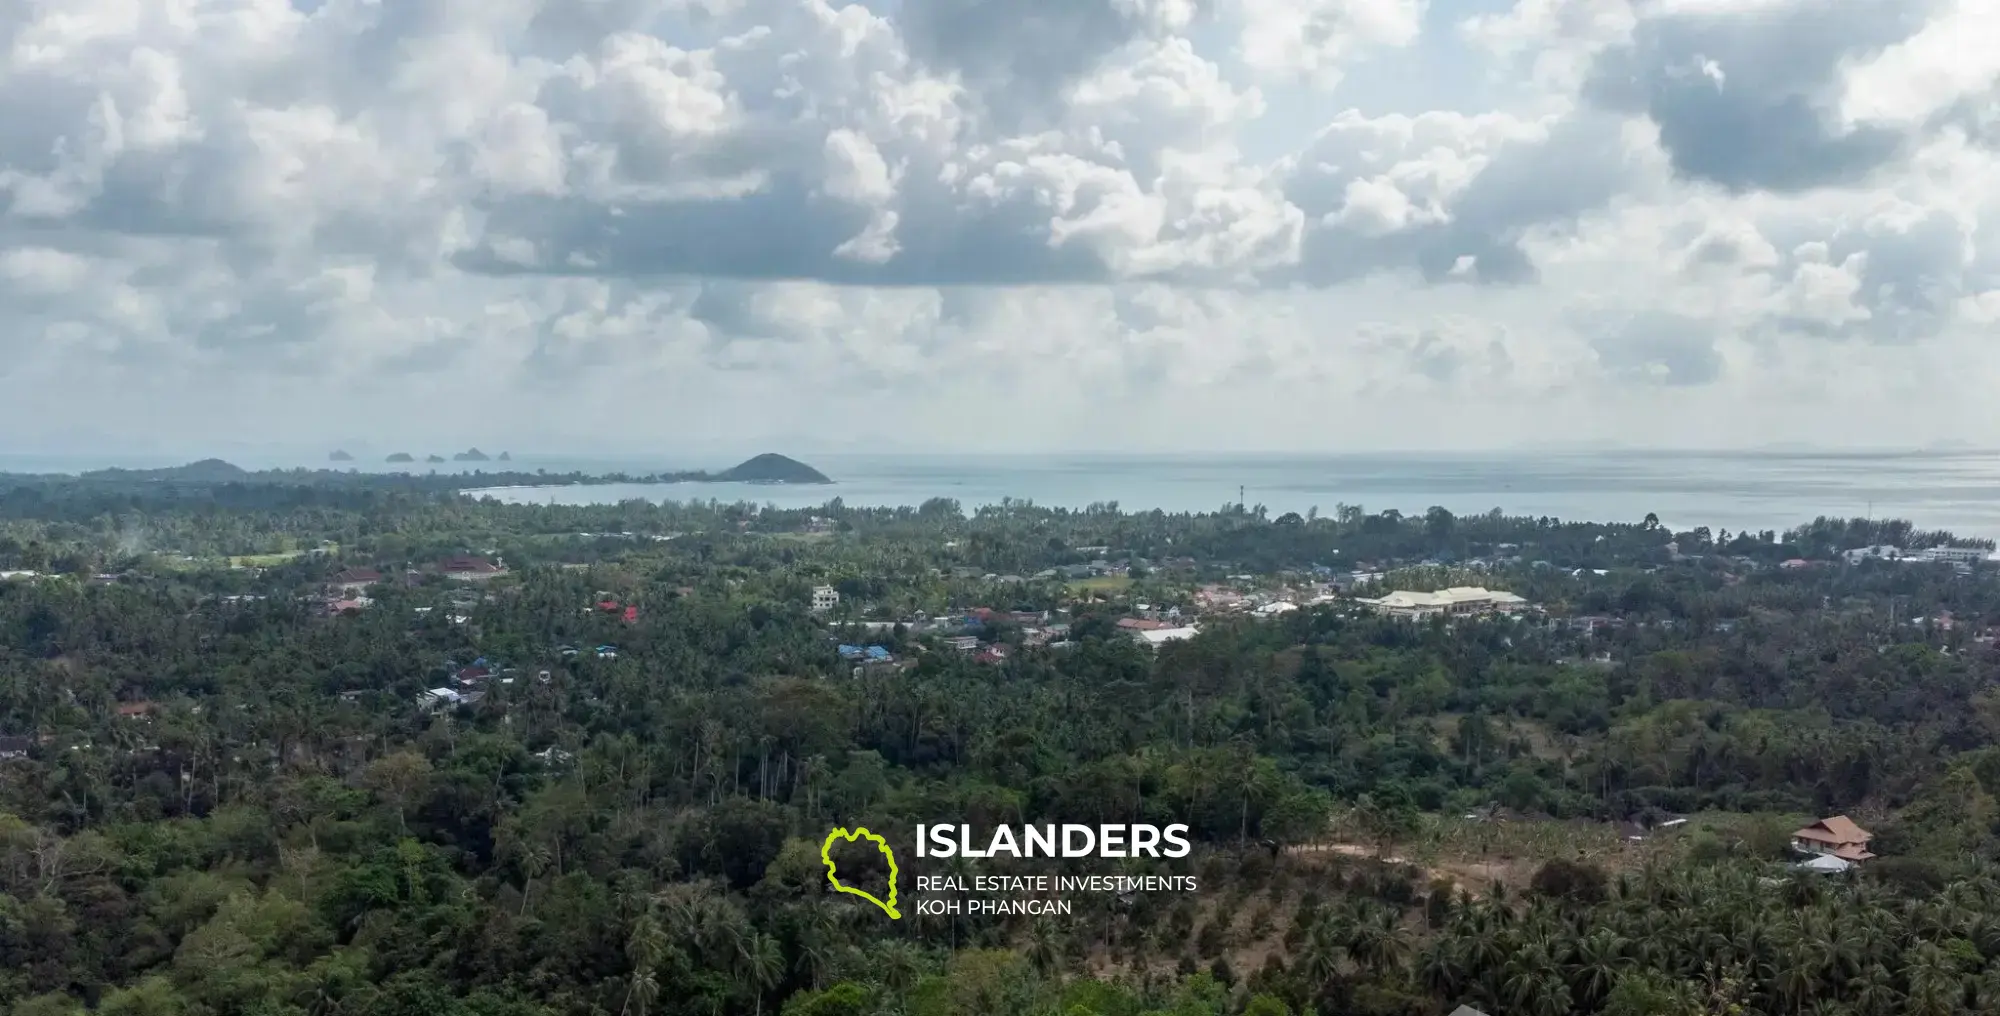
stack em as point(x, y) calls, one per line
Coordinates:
point(226, 787)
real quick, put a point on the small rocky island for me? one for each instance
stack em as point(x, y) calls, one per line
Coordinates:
point(769, 468)
point(766, 468)
point(402, 457)
point(340, 455)
point(433, 458)
point(470, 455)
point(506, 457)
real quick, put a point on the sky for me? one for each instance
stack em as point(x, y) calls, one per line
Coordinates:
point(1029, 225)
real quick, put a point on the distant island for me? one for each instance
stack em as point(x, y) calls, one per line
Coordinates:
point(204, 471)
point(433, 458)
point(470, 455)
point(769, 467)
point(505, 457)
point(340, 455)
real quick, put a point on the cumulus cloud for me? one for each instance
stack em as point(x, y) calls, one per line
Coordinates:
point(1162, 223)
point(1747, 96)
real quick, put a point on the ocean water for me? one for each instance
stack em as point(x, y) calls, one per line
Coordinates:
point(1959, 491)
point(1956, 490)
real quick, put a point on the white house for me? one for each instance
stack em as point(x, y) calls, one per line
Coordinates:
point(825, 598)
point(1160, 636)
point(1952, 555)
point(440, 698)
point(1458, 601)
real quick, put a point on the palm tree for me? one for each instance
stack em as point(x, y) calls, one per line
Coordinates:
point(1377, 944)
point(763, 965)
point(1600, 958)
point(1319, 961)
point(640, 992)
point(1441, 967)
point(1876, 994)
point(900, 964)
point(1045, 947)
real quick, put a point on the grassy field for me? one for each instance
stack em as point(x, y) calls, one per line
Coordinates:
point(264, 560)
point(274, 559)
point(1101, 584)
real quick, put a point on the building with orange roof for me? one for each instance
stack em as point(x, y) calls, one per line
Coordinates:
point(1838, 837)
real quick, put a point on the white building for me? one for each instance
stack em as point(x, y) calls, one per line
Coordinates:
point(825, 598)
point(1458, 601)
point(1160, 636)
point(440, 698)
point(1952, 555)
point(1276, 608)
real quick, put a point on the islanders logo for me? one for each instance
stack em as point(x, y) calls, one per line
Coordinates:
point(833, 876)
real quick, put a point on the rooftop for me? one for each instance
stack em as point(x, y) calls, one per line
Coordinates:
point(1447, 597)
point(1838, 829)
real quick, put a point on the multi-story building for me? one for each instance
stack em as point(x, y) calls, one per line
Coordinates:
point(825, 598)
point(1458, 601)
point(1952, 555)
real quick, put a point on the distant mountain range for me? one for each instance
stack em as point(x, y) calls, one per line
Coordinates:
point(765, 468)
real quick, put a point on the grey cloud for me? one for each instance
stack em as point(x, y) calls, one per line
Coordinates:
point(784, 232)
point(1910, 283)
point(1766, 124)
point(961, 305)
point(1435, 358)
point(730, 307)
point(1659, 348)
point(1977, 116)
point(1717, 250)
point(1018, 55)
point(1452, 355)
point(1139, 309)
point(1553, 181)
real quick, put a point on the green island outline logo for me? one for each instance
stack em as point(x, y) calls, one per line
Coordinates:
point(826, 856)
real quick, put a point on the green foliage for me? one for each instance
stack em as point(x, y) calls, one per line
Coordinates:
point(844, 999)
point(288, 834)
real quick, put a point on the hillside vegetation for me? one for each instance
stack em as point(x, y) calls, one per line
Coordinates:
point(233, 800)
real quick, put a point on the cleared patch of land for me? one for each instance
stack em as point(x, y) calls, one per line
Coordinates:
point(265, 560)
point(1101, 584)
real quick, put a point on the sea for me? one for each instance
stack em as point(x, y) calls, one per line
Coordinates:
point(1955, 490)
point(1958, 491)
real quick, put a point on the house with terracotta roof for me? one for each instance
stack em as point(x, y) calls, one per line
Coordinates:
point(356, 580)
point(1834, 837)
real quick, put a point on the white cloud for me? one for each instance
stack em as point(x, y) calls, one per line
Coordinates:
point(1942, 64)
point(1115, 223)
point(1313, 39)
